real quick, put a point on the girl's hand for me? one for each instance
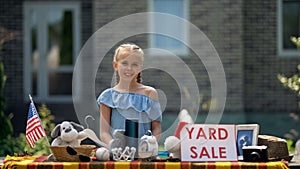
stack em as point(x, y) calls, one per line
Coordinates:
point(156, 129)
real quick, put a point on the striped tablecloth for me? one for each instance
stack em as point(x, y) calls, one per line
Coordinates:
point(39, 164)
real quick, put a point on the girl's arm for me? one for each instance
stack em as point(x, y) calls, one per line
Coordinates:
point(105, 113)
point(155, 125)
point(156, 129)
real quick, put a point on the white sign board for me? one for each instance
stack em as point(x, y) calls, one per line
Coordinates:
point(208, 142)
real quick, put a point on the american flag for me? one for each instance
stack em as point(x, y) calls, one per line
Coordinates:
point(34, 129)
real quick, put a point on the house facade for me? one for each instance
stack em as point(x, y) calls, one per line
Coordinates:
point(250, 38)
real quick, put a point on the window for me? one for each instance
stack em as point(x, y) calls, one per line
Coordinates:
point(288, 26)
point(162, 25)
point(51, 44)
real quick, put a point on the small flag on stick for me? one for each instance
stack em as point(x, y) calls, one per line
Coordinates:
point(34, 128)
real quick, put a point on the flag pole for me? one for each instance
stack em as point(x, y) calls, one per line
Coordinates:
point(31, 100)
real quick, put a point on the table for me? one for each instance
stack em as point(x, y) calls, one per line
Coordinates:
point(38, 163)
point(295, 162)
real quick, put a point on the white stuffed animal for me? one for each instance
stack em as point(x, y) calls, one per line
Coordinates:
point(172, 143)
point(67, 133)
point(184, 116)
point(71, 134)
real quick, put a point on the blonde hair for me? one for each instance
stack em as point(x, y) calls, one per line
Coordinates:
point(125, 50)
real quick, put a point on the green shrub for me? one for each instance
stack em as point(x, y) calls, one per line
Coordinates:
point(5, 121)
point(293, 82)
point(18, 145)
point(9, 144)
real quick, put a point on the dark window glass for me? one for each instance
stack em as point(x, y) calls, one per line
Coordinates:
point(290, 22)
point(60, 83)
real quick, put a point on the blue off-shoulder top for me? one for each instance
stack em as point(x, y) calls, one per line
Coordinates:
point(126, 105)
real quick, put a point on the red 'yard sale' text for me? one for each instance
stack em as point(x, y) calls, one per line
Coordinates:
point(211, 134)
point(212, 152)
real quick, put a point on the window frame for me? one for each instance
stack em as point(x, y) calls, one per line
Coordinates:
point(183, 51)
point(43, 93)
point(286, 53)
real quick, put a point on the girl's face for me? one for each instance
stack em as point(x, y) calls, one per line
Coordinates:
point(128, 67)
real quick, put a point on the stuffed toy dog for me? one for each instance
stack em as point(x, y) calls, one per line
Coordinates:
point(71, 134)
point(68, 134)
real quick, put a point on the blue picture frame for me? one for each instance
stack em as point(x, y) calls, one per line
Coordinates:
point(246, 135)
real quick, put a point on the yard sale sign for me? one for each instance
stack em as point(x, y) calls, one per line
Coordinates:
point(208, 142)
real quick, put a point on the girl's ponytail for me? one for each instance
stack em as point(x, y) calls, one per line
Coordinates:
point(139, 78)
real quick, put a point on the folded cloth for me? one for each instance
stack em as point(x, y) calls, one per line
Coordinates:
point(20, 158)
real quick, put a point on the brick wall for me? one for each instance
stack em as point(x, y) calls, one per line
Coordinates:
point(12, 55)
point(263, 92)
point(11, 18)
point(221, 22)
point(242, 32)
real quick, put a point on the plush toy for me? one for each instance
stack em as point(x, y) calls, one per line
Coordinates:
point(172, 143)
point(71, 134)
point(67, 134)
point(148, 147)
point(184, 116)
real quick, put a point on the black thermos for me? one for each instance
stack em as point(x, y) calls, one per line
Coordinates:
point(131, 133)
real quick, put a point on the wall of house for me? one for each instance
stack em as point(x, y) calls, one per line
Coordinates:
point(12, 57)
point(244, 35)
point(265, 100)
point(11, 18)
point(220, 22)
point(263, 91)
point(242, 32)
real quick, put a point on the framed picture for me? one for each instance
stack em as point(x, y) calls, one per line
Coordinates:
point(246, 136)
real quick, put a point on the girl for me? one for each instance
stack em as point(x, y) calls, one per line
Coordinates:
point(129, 98)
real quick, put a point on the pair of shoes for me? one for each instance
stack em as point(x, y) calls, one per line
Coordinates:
point(82, 158)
